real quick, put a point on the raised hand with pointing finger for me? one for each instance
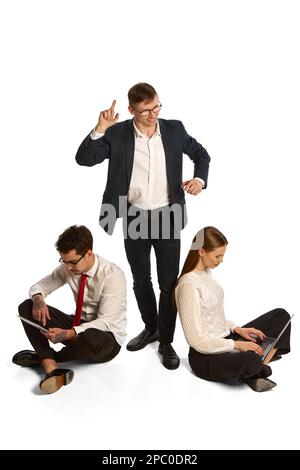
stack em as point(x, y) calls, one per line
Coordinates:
point(107, 118)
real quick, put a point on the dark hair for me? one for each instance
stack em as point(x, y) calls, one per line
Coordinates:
point(210, 239)
point(141, 92)
point(76, 237)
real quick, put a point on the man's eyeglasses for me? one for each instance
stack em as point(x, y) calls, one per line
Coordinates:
point(146, 112)
point(71, 263)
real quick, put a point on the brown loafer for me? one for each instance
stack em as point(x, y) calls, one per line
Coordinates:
point(56, 379)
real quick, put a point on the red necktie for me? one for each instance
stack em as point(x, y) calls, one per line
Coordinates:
point(79, 301)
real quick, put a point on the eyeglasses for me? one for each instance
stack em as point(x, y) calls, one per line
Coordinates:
point(71, 263)
point(146, 112)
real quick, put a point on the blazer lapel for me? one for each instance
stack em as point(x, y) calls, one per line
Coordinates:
point(167, 144)
point(129, 149)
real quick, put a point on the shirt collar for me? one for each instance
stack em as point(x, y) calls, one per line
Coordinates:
point(91, 272)
point(138, 134)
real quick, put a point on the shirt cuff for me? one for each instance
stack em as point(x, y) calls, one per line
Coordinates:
point(35, 291)
point(96, 135)
point(201, 180)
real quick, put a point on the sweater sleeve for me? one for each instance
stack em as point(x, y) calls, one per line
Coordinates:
point(189, 310)
point(230, 325)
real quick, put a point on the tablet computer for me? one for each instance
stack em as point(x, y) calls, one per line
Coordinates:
point(39, 327)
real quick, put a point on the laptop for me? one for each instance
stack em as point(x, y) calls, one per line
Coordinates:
point(268, 343)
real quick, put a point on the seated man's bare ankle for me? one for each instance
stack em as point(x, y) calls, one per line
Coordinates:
point(49, 365)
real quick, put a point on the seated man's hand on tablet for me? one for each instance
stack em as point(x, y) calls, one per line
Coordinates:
point(57, 335)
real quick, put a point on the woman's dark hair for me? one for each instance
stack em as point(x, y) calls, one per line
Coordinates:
point(76, 237)
point(141, 92)
point(209, 238)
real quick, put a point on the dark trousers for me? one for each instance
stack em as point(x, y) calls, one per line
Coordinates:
point(242, 365)
point(91, 345)
point(167, 253)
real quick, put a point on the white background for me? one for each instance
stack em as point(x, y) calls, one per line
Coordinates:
point(230, 71)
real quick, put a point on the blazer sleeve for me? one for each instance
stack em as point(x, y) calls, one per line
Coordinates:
point(198, 154)
point(91, 152)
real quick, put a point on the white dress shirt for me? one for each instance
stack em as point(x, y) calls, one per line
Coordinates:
point(199, 299)
point(148, 187)
point(104, 302)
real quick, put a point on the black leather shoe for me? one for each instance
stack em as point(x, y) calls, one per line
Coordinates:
point(265, 372)
point(140, 341)
point(261, 384)
point(56, 379)
point(169, 357)
point(26, 358)
point(276, 357)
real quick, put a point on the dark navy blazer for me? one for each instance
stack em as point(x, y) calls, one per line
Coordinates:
point(117, 145)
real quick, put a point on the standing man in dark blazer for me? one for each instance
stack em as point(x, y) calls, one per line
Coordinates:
point(144, 187)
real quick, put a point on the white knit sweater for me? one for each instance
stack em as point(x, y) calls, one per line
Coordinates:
point(199, 301)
